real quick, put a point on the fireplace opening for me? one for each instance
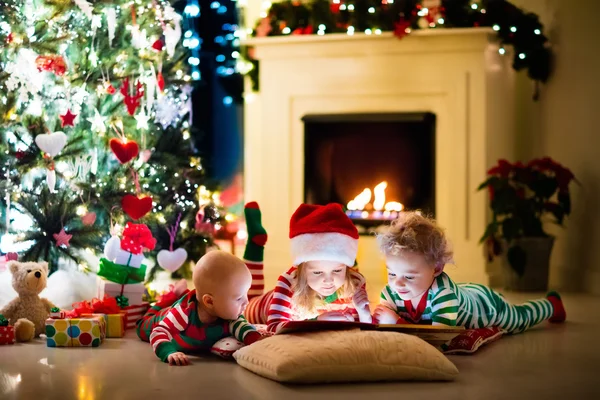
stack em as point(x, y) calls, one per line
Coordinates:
point(375, 165)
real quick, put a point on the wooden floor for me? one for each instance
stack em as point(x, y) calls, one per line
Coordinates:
point(549, 362)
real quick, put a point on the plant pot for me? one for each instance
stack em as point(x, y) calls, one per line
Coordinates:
point(537, 265)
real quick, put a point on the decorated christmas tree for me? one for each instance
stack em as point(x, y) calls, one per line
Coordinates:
point(96, 135)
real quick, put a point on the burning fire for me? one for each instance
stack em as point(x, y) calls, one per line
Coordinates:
point(360, 202)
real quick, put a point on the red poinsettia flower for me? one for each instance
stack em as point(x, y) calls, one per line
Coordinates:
point(307, 30)
point(503, 169)
point(564, 176)
point(402, 28)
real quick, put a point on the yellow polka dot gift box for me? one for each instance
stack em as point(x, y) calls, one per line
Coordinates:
point(88, 331)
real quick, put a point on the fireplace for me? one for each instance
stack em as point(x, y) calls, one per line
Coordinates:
point(374, 164)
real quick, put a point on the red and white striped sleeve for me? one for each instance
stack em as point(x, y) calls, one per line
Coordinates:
point(163, 336)
point(280, 309)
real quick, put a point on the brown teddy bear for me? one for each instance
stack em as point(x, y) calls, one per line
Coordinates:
point(28, 312)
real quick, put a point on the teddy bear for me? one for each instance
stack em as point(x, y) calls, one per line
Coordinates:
point(28, 312)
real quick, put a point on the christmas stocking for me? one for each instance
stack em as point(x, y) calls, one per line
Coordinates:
point(255, 248)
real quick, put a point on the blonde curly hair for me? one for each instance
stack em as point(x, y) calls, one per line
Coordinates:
point(414, 232)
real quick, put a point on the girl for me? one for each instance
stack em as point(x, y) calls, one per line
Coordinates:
point(419, 291)
point(322, 284)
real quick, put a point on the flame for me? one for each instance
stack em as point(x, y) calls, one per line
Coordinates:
point(394, 206)
point(379, 191)
point(360, 202)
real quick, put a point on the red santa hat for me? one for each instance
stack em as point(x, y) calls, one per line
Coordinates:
point(323, 233)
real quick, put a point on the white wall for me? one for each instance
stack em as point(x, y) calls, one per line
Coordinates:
point(563, 126)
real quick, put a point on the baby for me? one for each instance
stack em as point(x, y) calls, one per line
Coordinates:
point(210, 312)
point(420, 292)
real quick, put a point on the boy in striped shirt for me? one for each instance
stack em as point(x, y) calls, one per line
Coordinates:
point(419, 292)
point(210, 312)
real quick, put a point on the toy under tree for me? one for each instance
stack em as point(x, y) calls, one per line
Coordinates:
point(95, 132)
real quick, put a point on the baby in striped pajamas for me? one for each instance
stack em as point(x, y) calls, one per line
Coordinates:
point(203, 316)
point(420, 292)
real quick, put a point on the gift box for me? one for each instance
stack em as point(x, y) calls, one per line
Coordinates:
point(7, 332)
point(115, 323)
point(121, 274)
point(135, 313)
point(133, 291)
point(82, 331)
point(129, 259)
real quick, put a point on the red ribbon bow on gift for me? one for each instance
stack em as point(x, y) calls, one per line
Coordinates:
point(96, 306)
point(136, 237)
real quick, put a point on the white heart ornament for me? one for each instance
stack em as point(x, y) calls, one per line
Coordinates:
point(171, 260)
point(51, 143)
point(112, 248)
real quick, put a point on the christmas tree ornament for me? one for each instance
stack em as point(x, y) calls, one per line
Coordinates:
point(131, 101)
point(145, 155)
point(98, 122)
point(88, 218)
point(172, 34)
point(136, 207)
point(67, 119)
point(125, 150)
point(111, 22)
point(172, 260)
point(62, 238)
point(158, 45)
point(51, 143)
point(52, 63)
point(96, 23)
point(160, 81)
point(12, 256)
point(51, 179)
point(85, 7)
point(142, 120)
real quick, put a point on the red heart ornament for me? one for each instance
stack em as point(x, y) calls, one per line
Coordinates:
point(135, 207)
point(124, 151)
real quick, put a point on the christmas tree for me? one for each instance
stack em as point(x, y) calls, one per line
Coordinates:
point(95, 129)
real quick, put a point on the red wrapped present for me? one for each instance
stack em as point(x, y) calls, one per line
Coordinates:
point(7, 332)
point(135, 313)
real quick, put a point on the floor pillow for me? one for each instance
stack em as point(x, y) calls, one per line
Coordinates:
point(345, 356)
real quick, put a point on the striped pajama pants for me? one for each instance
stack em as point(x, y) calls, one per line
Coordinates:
point(494, 310)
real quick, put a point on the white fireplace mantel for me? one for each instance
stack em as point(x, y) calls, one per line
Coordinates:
point(457, 74)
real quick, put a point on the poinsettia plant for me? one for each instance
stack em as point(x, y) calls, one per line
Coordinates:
point(521, 197)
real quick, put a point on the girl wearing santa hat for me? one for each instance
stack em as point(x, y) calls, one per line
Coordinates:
point(322, 284)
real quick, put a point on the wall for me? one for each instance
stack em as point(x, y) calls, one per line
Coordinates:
point(562, 126)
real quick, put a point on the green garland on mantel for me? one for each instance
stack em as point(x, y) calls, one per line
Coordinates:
point(515, 27)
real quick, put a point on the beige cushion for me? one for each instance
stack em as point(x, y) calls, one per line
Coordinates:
point(345, 356)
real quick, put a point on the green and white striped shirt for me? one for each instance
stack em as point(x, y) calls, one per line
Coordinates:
point(469, 305)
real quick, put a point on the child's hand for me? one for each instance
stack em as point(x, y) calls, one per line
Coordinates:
point(384, 315)
point(335, 316)
point(178, 359)
point(361, 303)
